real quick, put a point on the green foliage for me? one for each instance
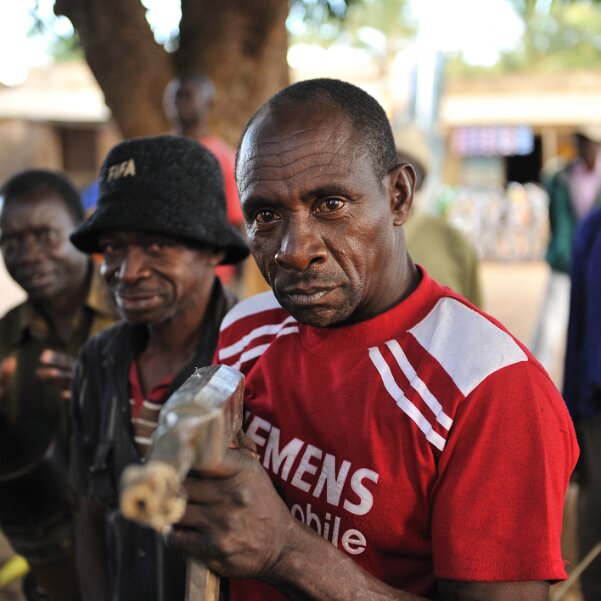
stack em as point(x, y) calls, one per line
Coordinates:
point(320, 11)
point(66, 48)
point(380, 26)
point(559, 35)
point(319, 15)
point(63, 41)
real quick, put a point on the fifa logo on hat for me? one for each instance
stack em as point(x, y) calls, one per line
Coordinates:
point(124, 169)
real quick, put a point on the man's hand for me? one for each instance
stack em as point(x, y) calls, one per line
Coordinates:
point(235, 522)
point(239, 527)
point(57, 367)
point(8, 367)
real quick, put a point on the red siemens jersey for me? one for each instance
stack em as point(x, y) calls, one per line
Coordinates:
point(426, 443)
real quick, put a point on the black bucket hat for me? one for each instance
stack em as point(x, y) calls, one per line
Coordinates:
point(168, 185)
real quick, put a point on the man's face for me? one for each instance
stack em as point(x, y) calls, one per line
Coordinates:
point(153, 278)
point(186, 102)
point(35, 245)
point(324, 230)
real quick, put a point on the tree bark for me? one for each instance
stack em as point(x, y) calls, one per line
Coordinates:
point(130, 67)
point(240, 44)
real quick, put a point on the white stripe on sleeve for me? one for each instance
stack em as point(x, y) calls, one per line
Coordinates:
point(419, 385)
point(402, 402)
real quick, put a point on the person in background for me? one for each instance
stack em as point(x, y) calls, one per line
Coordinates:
point(408, 447)
point(161, 228)
point(67, 302)
point(582, 389)
point(573, 191)
point(188, 101)
point(443, 250)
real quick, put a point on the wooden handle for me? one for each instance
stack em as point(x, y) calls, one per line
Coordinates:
point(202, 584)
point(152, 495)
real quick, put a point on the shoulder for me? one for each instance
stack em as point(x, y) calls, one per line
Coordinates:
point(106, 340)
point(431, 231)
point(469, 345)
point(219, 147)
point(253, 322)
point(259, 307)
point(453, 236)
point(12, 315)
point(12, 323)
point(561, 176)
point(590, 227)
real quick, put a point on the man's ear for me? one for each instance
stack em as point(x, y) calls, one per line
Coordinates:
point(216, 257)
point(402, 189)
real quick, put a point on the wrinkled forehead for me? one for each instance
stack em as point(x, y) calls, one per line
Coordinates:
point(308, 137)
point(41, 204)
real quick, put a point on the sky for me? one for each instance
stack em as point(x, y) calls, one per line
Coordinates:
point(490, 27)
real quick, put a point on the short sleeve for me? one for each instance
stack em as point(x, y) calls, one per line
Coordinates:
point(498, 502)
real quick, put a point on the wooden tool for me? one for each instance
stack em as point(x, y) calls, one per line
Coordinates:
point(196, 426)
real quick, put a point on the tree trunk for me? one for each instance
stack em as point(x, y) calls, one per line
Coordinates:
point(240, 44)
point(130, 67)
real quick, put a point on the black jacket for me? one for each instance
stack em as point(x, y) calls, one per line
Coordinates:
point(102, 445)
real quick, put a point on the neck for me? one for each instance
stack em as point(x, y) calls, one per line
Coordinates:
point(591, 161)
point(408, 275)
point(193, 130)
point(173, 341)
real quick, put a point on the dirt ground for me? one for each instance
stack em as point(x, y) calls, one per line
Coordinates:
point(512, 293)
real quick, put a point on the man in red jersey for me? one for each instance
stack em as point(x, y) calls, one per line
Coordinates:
point(407, 446)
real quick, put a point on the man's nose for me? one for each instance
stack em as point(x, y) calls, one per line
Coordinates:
point(30, 250)
point(301, 246)
point(133, 265)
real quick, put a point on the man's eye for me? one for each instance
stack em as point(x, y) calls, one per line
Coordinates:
point(107, 248)
point(265, 216)
point(328, 205)
point(47, 237)
point(156, 246)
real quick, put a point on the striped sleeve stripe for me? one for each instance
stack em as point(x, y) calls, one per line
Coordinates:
point(266, 330)
point(403, 402)
point(288, 330)
point(152, 406)
point(253, 353)
point(255, 304)
point(257, 351)
point(418, 384)
point(144, 422)
point(143, 440)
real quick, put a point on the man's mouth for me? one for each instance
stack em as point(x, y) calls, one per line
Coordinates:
point(34, 279)
point(136, 301)
point(311, 295)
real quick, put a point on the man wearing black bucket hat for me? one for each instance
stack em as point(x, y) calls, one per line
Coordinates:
point(161, 227)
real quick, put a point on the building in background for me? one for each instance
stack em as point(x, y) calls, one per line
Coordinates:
point(56, 119)
point(496, 134)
